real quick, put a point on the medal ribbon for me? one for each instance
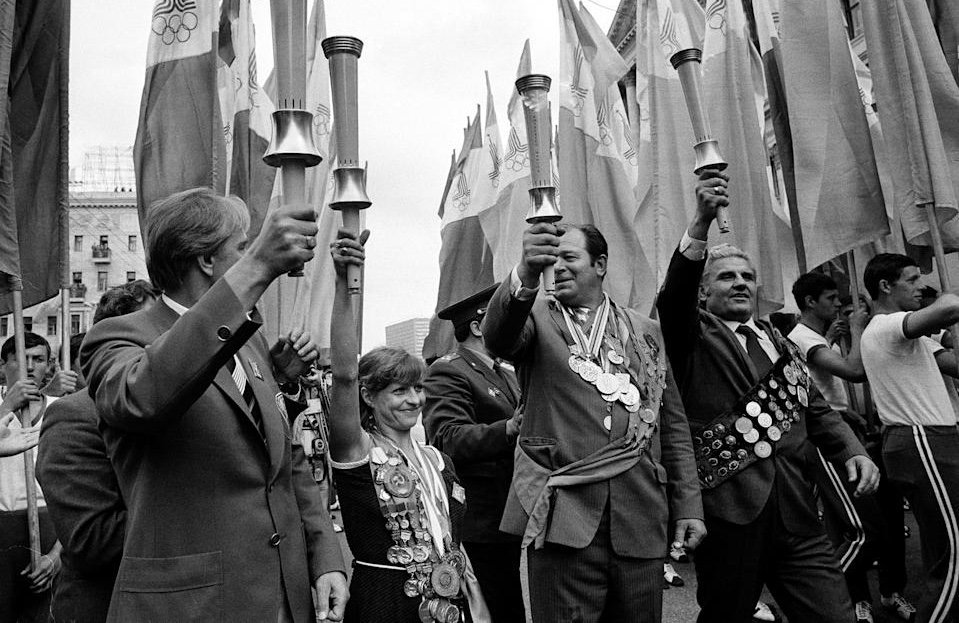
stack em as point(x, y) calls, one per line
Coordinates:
point(594, 342)
point(434, 495)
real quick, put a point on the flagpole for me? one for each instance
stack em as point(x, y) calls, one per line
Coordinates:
point(63, 196)
point(29, 475)
point(937, 246)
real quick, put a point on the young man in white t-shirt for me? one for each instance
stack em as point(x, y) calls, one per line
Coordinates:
point(855, 524)
point(920, 439)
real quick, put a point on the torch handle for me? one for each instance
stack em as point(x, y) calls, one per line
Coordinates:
point(549, 279)
point(351, 223)
point(722, 219)
point(294, 191)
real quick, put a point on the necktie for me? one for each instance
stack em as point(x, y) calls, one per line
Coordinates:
point(755, 351)
point(498, 369)
point(242, 384)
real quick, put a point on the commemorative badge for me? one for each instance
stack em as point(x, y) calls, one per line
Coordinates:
point(398, 481)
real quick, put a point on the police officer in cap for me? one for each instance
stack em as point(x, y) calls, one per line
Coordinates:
point(472, 414)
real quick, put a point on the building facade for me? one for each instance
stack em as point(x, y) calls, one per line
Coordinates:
point(408, 335)
point(106, 250)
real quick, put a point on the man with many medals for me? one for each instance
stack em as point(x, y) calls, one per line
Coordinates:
point(604, 458)
point(753, 413)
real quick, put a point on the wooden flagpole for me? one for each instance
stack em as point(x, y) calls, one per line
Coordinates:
point(937, 247)
point(33, 520)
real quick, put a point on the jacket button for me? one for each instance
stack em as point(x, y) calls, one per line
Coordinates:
point(275, 539)
point(223, 333)
point(269, 489)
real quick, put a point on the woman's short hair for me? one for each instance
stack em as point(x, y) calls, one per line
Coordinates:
point(187, 225)
point(382, 366)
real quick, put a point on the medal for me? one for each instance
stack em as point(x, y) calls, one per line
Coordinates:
point(786, 425)
point(774, 433)
point(458, 559)
point(633, 408)
point(608, 422)
point(589, 371)
point(791, 389)
point(624, 381)
point(790, 374)
point(647, 415)
point(753, 409)
point(731, 440)
point(424, 611)
point(733, 466)
point(630, 396)
point(411, 588)
point(607, 383)
point(421, 553)
point(743, 425)
point(614, 358)
point(752, 436)
point(575, 363)
point(773, 384)
point(764, 420)
point(445, 580)
point(802, 396)
point(399, 482)
point(763, 449)
point(725, 455)
point(611, 397)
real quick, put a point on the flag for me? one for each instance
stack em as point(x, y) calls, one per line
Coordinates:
point(504, 222)
point(839, 200)
point(245, 111)
point(307, 302)
point(598, 181)
point(918, 107)
point(34, 203)
point(179, 142)
point(945, 18)
point(733, 85)
point(665, 185)
point(466, 264)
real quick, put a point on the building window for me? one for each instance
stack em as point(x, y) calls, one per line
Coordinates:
point(102, 281)
point(853, 14)
point(132, 244)
point(3, 326)
point(78, 277)
point(74, 324)
point(131, 276)
point(78, 243)
point(51, 325)
point(28, 323)
point(104, 241)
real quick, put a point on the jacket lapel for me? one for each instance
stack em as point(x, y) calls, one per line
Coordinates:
point(273, 417)
point(494, 379)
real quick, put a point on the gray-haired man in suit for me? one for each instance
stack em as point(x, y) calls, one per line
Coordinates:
point(605, 462)
point(753, 416)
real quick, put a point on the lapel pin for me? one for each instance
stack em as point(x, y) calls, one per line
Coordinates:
point(256, 369)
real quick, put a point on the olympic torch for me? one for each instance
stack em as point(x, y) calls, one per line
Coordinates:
point(534, 89)
point(688, 64)
point(349, 195)
point(291, 146)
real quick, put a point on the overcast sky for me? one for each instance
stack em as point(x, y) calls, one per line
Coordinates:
point(421, 76)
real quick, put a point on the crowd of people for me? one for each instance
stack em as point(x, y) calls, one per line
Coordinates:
point(183, 472)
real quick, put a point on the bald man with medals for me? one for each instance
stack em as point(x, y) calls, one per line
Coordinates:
point(604, 462)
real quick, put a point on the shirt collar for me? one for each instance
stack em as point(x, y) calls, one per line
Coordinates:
point(179, 309)
point(732, 325)
point(486, 359)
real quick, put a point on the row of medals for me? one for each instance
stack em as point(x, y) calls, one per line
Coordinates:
point(613, 386)
point(436, 580)
point(769, 414)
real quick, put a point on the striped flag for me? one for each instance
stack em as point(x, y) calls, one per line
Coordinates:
point(245, 110)
point(734, 87)
point(839, 200)
point(34, 51)
point(466, 264)
point(598, 183)
point(179, 142)
point(666, 183)
point(503, 224)
point(919, 106)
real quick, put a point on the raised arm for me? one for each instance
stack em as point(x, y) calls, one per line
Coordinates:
point(347, 442)
point(942, 314)
point(850, 367)
point(678, 300)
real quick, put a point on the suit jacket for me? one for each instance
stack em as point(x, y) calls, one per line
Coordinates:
point(563, 423)
point(467, 406)
point(86, 507)
point(713, 372)
point(224, 521)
